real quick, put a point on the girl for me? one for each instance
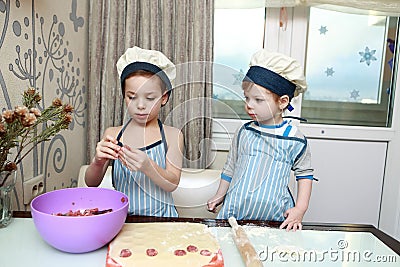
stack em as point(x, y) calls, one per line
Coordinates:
point(146, 154)
point(254, 181)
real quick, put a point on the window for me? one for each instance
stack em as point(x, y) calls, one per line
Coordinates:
point(238, 33)
point(349, 63)
point(349, 68)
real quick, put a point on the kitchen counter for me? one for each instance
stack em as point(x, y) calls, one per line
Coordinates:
point(21, 244)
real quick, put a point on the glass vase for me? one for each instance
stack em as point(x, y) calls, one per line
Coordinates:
point(7, 185)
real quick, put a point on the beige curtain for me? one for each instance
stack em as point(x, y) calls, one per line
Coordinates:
point(183, 31)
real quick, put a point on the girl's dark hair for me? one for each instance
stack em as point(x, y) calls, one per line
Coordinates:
point(147, 74)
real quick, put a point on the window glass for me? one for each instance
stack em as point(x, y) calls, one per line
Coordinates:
point(234, 43)
point(349, 68)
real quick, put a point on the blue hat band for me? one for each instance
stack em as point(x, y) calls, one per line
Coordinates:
point(270, 80)
point(135, 66)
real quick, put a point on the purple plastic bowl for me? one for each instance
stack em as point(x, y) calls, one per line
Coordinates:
point(84, 233)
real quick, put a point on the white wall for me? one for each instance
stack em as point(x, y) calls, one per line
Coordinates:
point(390, 203)
point(350, 181)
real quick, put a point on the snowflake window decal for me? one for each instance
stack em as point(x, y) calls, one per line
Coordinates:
point(329, 72)
point(322, 30)
point(367, 56)
point(354, 94)
point(238, 77)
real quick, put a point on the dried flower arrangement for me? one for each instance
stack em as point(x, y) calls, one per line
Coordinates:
point(19, 131)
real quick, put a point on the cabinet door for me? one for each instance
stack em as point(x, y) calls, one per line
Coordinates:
point(350, 181)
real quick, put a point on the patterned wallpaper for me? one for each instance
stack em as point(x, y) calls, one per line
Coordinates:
point(43, 44)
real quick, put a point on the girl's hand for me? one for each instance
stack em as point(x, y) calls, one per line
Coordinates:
point(106, 149)
point(214, 202)
point(294, 217)
point(134, 159)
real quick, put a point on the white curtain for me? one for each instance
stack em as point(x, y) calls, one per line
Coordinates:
point(373, 7)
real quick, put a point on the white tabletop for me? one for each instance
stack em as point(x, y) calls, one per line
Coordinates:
point(21, 245)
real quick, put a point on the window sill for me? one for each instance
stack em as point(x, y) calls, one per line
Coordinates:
point(224, 130)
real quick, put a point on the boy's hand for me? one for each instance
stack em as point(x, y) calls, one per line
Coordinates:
point(294, 217)
point(106, 149)
point(213, 203)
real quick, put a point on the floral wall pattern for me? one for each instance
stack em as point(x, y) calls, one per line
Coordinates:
point(43, 44)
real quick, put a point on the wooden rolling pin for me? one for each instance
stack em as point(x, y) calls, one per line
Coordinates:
point(243, 244)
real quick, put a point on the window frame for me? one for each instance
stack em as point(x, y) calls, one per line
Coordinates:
point(292, 41)
point(362, 114)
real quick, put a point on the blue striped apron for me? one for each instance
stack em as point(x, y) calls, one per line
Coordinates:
point(145, 197)
point(259, 187)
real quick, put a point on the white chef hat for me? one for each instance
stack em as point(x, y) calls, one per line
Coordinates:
point(277, 72)
point(136, 58)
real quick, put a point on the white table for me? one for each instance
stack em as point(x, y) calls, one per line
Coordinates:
point(21, 245)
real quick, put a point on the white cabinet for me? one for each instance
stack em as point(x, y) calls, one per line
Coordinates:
point(350, 181)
